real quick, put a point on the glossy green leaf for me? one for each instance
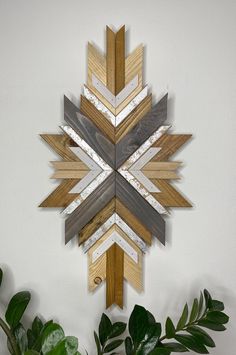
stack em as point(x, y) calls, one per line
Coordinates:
point(31, 338)
point(150, 340)
point(16, 308)
point(151, 318)
point(175, 347)
point(217, 306)
point(217, 317)
point(170, 329)
point(160, 351)
point(31, 352)
point(208, 299)
point(118, 328)
point(67, 346)
point(200, 305)
point(105, 329)
point(183, 319)
point(192, 343)
point(138, 324)
point(194, 311)
point(202, 335)
point(211, 325)
point(113, 345)
point(37, 326)
point(1, 276)
point(21, 337)
point(128, 346)
point(51, 336)
point(99, 350)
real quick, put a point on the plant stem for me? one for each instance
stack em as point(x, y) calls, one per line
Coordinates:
point(10, 336)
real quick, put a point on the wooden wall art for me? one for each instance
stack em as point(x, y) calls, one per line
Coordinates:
point(115, 170)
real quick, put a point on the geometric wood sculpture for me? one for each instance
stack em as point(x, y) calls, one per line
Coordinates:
point(115, 168)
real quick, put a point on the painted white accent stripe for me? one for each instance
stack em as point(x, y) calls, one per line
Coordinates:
point(114, 219)
point(85, 158)
point(145, 158)
point(145, 181)
point(115, 120)
point(112, 99)
point(82, 184)
point(115, 238)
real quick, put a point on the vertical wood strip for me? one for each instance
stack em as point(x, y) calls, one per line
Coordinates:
point(120, 60)
point(111, 60)
point(114, 276)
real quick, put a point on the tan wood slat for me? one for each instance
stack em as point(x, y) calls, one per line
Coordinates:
point(168, 195)
point(120, 60)
point(169, 144)
point(69, 174)
point(111, 59)
point(67, 165)
point(166, 165)
point(161, 174)
point(60, 143)
point(96, 64)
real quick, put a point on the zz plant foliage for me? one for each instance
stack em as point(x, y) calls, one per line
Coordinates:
point(145, 334)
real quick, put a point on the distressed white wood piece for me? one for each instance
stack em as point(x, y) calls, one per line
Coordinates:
point(115, 238)
point(115, 120)
point(114, 219)
point(145, 181)
point(83, 183)
point(85, 158)
point(145, 158)
point(115, 101)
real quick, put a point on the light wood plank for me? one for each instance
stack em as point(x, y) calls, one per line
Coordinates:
point(69, 174)
point(170, 144)
point(69, 165)
point(96, 64)
point(120, 60)
point(166, 165)
point(60, 143)
point(111, 59)
point(161, 174)
point(169, 195)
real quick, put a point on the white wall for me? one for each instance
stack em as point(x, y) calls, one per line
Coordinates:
point(190, 51)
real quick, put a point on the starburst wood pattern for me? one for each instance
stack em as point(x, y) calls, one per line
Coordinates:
point(115, 170)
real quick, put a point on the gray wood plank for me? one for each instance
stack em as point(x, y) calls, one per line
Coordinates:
point(88, 209)
point(89, 132)
point(141, 131)
point(137, 205)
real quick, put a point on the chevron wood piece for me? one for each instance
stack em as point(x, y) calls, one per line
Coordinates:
point(141, 132)
point(96, 222)
point(169, 144)
point(145, 213)
point(89, 132)
point(168, 195)
point(61, 144)
point(90, 207)
point(60, 197)
point(133, 222)
point(96, 64)
point(114, 276)
point(114, 171)
point(89, 110)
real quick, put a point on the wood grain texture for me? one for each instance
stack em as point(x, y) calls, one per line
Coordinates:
point(162, 165)
point(134, 65)
point(69, 174)
point(141, 131)
point(161, 174)
point(138, 206)
point(89, 132)
point(114, 276)
point(169, 144)
point(168, 195)
point(60, 144)
point(96, 65)
point(92, 205)
point(97, 221)
point(111, 59)
point(61, 197)
point(120, 60)
point(132, 270)
point(69, 165)
point(133, 222)
point(89, 110)
point(133, 118)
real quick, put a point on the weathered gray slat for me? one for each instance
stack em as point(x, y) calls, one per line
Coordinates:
point(140, 208)
point(93, 204)
point(89, 132)
point(141, 132)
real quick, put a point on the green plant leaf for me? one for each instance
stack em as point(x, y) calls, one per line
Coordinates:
point(16, 308)
point(194, 311)
point(192, 343)
point(211, 325)
point(170, 329)
point(217, 317)
point(151, 318)
point(208, 299)
point(31, 338)
point(21, 337)
point(51, 336)
point(1, 276)
point(200, 305)
point(138, 324)
point(37, 326)
point(118, 328)
point(183, 319)
point(175, 347)
point(99, 350)
point(217, 306)
point(128, 346)
point(160, 351)
point(67, 346)
point(105, 328)
point(150, 340)
point(31, 352)
point(113, 345)
point(202, 335)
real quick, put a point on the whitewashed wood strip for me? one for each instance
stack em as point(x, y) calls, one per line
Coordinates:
point(145, 158)
point(144, 180)
point(83, 183)
point(85, 158)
